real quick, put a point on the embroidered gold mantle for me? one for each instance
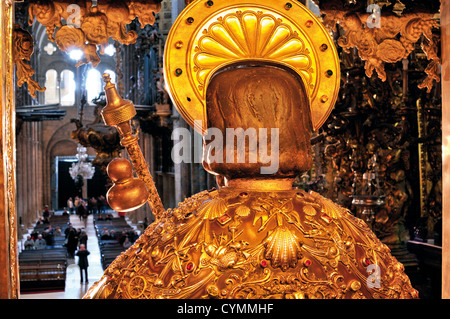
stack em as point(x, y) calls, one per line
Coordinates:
point(233, 243)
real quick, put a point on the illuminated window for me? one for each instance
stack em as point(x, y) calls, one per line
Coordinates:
point(52, 87)
point(67, 88)
point(110, 50)
point(94, 83)
point(61, 88)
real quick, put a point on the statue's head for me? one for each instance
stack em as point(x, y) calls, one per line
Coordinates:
point(258, 123)
point(259, 76)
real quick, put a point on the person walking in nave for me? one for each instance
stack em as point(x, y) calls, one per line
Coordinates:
point(83, 238)
point(93, 203)
point(83, 212)
point(83, 262)
point(80, 209)
point(72, 241)
point(76, 202)
point(70, 205)
point(101, 202)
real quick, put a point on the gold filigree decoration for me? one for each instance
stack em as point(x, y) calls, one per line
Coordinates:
point(390, 41)
point(88, 27)
point(433, 68)
point(22, 50)
point(8, 158)
point(292, 255)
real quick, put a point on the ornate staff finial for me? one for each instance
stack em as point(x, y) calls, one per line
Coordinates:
point(106, 78)
point(119, 112)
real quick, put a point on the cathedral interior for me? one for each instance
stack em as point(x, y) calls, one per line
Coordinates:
point(377, 155)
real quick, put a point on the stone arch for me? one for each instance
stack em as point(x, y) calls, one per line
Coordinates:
point(67, 147)
point(58, 142)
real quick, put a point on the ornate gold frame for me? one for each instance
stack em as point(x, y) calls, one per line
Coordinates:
point(9, 274)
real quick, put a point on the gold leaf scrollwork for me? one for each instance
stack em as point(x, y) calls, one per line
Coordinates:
point(23, 49)
point(392, 41)
point(94, 24)
point(288, 257)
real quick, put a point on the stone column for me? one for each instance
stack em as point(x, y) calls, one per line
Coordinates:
point(24, 179)
point(39, 190)
point(28, 187)
point(19, 175)
point(22, 182)
point(33, 167)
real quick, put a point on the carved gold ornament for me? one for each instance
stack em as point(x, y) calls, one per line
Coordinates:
point(391, 41)
point(208, 36)
point(119, 113)
point(88, 27)
point(275, 251)
point(22, 50)
point(9, 280)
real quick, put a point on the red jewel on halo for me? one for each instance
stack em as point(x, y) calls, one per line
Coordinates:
point(264, 263)
point(307, 263)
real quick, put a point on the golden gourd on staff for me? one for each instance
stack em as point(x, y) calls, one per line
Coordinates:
point(258, 64)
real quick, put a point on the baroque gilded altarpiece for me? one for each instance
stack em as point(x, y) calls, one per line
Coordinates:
point(385, 129)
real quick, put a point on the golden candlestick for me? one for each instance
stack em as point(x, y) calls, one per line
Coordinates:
point(118, 113)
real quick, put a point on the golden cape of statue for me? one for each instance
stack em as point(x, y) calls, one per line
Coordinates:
point(235, 243)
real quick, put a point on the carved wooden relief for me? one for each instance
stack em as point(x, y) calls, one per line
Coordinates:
point(88, 27)
point(387, 38)
point(22, 51)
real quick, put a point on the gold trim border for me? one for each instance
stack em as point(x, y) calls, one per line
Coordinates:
point(8, 147)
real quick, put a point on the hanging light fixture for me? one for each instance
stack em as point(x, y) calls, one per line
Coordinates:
point(82, 168)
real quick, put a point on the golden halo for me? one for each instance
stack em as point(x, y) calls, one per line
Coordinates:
point(211, 34)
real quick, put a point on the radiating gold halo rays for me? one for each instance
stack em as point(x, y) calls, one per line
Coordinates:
point(249, 35)
point(210, 35)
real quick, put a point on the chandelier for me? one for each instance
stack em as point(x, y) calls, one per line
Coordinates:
point(81, 168)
